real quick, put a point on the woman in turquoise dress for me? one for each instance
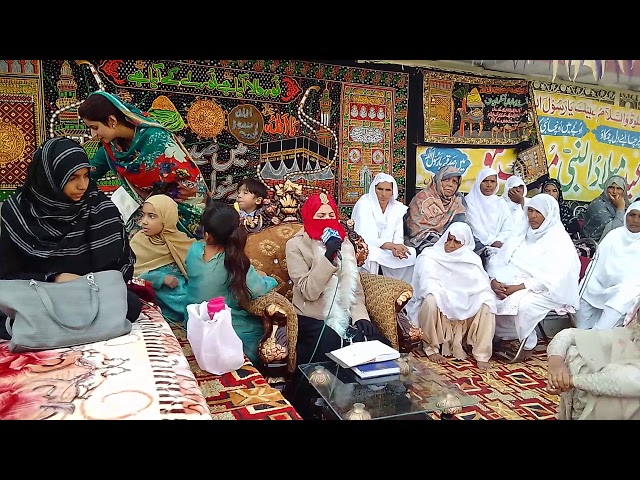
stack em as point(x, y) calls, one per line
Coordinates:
point(146, 157)
point(161, 252)
point(219, 267)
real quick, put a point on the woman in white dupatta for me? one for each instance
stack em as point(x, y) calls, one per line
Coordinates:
point(515, 198)
point(453, 302)
point(378, 219)
point(489, 217)
point(536, 271)
point(611, 285)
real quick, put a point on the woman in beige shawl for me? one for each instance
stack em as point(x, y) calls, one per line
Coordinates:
point(161, 250)
point(434, 208)
point(597, 372)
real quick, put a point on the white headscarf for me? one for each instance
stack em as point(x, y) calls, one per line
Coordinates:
point(546, 253)
point(488, 215)
point(613, 278)
point(457, 280)
point(371, 223)
point(513, 181)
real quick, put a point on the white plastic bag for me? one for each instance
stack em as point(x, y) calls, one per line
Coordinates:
point(214, 342)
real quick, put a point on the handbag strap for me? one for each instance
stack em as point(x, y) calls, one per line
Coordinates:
point(48, 304)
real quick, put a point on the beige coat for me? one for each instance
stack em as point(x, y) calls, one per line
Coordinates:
point(316, 280)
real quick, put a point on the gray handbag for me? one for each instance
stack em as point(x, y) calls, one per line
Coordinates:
point(48, 315)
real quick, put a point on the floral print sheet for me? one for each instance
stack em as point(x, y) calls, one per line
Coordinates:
point(143, 375)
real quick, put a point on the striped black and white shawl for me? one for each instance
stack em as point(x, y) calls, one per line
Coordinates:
point(68, 236)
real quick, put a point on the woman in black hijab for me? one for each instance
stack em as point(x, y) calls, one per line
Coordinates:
point(58, 225)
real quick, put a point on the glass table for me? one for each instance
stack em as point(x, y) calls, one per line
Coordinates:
point(415, 394)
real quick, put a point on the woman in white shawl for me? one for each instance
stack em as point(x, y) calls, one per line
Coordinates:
point(611, 284)
point(535, 271)
point(378, 219)
point(489, 217)
point(515, 198)
point(453, 301)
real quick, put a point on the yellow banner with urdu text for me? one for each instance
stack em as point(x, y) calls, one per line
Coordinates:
point(587, 141)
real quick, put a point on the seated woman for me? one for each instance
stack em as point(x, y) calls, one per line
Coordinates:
point(535, 271)
point(377, 218)
point(327, 293)
point(596, 373)
point(218, 267)
point(489, 217)
point(145, 156)
point(571, 224)
point(612, 282)
point(515, 198)
point(434, 208)
point(161, 251)
point(59, 226)
point(606, 212)
point(453, 302)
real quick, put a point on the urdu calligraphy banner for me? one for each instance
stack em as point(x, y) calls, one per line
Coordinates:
point(586, 141)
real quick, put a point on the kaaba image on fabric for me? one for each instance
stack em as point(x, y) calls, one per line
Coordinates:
point(300, 160)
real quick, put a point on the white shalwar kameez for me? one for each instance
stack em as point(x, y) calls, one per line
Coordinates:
point(546, 262)
point(377, 227)
point(611, 285)
point(489, 217)
point(517, 211)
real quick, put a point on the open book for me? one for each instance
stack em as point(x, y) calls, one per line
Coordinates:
point(363, 352)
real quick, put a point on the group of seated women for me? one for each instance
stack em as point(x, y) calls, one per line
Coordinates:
point(490, 268)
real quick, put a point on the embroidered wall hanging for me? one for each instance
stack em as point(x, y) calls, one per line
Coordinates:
point(20, 130)
point(476, 110)
point(367, 136)
point(273, 119)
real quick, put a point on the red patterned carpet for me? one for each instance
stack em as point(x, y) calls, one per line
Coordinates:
point(507, 391)
point(240, 395)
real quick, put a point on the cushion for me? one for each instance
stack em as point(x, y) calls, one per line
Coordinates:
point(266, 250)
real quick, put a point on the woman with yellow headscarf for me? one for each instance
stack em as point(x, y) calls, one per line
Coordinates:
point(161, 250)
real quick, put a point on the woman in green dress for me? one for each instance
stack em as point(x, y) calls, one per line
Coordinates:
point(219, 267)
point(146, 157)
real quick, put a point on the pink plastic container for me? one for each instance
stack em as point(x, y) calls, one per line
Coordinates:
point(215, 305)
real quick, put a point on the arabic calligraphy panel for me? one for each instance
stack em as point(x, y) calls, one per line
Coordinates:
point(245, 122)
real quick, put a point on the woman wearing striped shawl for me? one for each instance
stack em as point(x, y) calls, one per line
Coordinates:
point(58, 225)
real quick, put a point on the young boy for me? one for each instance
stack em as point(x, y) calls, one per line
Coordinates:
point(251, 195)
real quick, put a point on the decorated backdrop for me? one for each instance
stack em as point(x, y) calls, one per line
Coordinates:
point(468, 160)
point(326, 127)
point(20, 121)
point(476, 110)
point(588, 137)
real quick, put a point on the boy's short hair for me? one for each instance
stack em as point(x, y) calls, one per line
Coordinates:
point(254, 186)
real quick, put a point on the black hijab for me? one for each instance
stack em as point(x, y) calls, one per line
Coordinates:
point(565, 212)
point(44, 223)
